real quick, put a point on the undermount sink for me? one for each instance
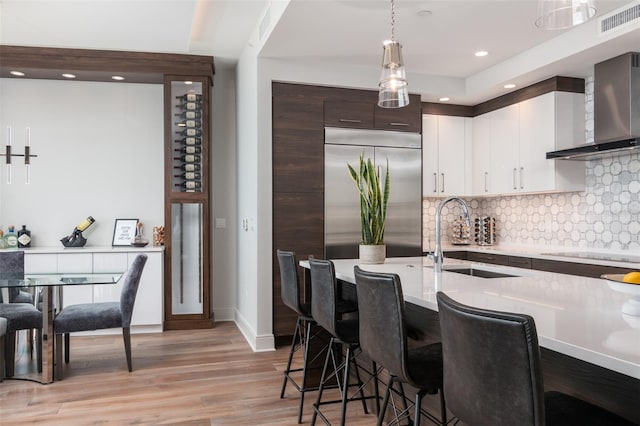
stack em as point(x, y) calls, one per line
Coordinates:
point(475, 272)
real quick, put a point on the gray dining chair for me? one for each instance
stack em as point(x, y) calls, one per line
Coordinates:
point(19, 315)
point(3, 332)
point(99, 316)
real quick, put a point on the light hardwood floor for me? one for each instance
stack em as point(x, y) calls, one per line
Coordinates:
point(196, 377)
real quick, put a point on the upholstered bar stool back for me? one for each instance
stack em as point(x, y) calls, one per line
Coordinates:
point(344, 331)
point(493, 373)
point(383, 337)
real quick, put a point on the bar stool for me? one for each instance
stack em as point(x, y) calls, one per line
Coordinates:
point(493, 373)
point(344, 332)
point(306, 328)
point(383, 337)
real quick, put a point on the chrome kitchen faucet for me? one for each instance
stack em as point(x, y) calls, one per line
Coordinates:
point(437, 254)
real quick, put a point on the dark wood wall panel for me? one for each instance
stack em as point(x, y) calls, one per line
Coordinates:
point(298, 219)
point(554, 84)
point(100, 65)
point(298, 145)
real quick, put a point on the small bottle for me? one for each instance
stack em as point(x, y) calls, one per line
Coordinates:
point(190, 97)
point(189, 115)
point(189, 167)
point(190, 106)
point(190, 185)
point(191, 140)
point(189, 150)
point(188, 158)
point(11, 239)
point(3, 245)
point(24, 237)
point(190, 131)
point(189, 123)
point(189, 176)
point(85, 223)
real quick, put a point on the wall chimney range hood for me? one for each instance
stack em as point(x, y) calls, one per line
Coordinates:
point(616, 110)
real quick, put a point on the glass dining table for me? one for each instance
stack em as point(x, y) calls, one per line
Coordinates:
point(47, 283)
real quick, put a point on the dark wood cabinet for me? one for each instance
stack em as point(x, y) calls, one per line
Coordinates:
point(407, 119)
point(358, 115)
point(496, 259)
point(300, 113)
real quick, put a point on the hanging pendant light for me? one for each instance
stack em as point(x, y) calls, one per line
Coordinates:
point(393, 91)
point(562, 14)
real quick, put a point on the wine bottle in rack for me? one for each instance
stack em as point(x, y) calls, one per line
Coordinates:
point(189, 176)
point(189, 150)
point(189, 115)
point(190, 123)
point(190, 131)
point(190, 106)
point(188, 158)
point(190, 140)
point(190, 97)
point(188, 167)
point(190, 185)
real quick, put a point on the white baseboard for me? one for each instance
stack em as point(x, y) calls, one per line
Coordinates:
point(263, 343)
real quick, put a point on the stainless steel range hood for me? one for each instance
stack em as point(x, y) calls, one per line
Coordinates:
point(616, 110)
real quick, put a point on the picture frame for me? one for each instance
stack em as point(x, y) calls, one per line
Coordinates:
point(123, 232)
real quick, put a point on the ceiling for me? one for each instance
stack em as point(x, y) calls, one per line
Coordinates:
point(439, 38)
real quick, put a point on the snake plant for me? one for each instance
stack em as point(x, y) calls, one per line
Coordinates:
point(373, 200)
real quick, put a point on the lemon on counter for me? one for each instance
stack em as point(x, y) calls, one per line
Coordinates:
point(632, 278)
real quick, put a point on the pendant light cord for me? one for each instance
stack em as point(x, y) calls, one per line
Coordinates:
point(393, 21)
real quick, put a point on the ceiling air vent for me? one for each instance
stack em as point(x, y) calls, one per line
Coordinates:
point(619, 19)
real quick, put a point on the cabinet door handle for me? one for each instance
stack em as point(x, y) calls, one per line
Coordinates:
point(349, 120)
point(435, 182)
point(521, 178)
point(515, 185)
point(486, 176)
point(398, 124)
point(442, 174)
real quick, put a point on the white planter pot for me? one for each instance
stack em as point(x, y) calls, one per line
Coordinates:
point(372, 253)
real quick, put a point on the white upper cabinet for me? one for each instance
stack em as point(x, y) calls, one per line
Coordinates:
point(551, 122)
point(510, 146)
point(481, 159)
point(505, 149)
point(446, 155)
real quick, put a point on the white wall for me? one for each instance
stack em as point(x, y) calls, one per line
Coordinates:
point(224, 194)
point(100, 153)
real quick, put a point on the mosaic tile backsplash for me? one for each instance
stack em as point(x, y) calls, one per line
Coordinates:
point(605, 216)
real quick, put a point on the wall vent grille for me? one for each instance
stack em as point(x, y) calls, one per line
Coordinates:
point(619, 19)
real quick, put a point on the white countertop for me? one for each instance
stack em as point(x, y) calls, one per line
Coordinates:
point(88, 249)
point(577, 316)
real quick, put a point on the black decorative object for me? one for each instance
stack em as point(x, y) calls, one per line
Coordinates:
point(74, 240)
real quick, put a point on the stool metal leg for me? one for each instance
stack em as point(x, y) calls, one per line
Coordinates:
point(291, 352)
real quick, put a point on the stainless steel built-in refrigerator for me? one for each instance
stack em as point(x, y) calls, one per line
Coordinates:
point(403, 231)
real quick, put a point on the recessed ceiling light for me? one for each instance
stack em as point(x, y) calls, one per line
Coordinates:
point(117, 77)
point(509, 86)
point(17, 73)
point(445, 99)
point(425, 12)
point(481, 53)
point(67, 75)
point(188, 82)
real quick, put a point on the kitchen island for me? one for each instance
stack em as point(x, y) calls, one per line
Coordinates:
point(581, 327)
